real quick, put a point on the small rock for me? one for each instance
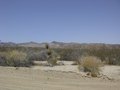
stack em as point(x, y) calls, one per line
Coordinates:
point(93, 74)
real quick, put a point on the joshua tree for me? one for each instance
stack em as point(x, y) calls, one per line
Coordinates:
point(52, 56)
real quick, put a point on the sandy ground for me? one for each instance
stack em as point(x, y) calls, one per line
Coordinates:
point(55, 78)
point(110, 71)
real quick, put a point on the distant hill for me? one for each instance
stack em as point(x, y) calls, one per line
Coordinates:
point(56, 44)
point(53, 44)
point(31, 44)
point(8, 44)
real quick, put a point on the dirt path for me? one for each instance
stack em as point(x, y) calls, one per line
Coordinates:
point(31, 79)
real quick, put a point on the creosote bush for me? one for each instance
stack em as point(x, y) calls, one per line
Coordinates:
point(91, 64)
point(17, 58)
point(14, 58)
point(3, 58)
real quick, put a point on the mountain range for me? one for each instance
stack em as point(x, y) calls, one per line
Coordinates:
point(56, 44)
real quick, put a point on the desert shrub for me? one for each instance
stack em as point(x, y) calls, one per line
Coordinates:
point(70, 54)
point(16, 58)
point(91, 64)
point(52, 56)
point(3, 57)
point(37, 56)
point(109, 56)
point(43, 55)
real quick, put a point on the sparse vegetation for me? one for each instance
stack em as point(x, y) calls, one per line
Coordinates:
point(109, 54)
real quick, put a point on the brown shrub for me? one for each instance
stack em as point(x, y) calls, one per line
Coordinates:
point(91, 64)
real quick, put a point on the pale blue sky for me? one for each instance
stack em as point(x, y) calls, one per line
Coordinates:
point(83, 21)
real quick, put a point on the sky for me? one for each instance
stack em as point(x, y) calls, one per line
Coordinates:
point(83, 21)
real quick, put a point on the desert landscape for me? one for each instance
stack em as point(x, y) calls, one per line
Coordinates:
point(59, 44)
point(65, 77)
point(67, 67)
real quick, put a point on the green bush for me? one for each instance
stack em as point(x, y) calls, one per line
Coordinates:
point(14, 58)
point(37, 56)
point(3, 58)
point(17, 58)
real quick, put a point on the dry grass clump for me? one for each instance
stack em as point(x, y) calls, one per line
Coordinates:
point(90, 64)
